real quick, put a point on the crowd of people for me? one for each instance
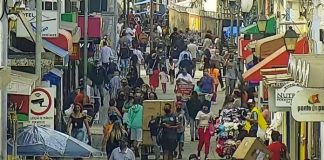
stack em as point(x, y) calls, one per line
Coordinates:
point(173, 59)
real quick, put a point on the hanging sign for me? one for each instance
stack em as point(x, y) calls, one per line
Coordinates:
point(49, 23)
point(285, 94)
point(308, 105)
point(41, 110)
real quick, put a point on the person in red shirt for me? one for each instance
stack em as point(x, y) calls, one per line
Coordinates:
point(277, 149)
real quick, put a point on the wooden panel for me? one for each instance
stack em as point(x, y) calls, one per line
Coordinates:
point(151, 108)
point(147, 140)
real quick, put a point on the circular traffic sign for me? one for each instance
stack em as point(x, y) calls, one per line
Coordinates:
point(48, 96)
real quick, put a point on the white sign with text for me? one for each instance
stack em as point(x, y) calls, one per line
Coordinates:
point(285, 94)
point(49, 24)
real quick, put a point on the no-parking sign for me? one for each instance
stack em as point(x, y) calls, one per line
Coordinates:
point(41, 110)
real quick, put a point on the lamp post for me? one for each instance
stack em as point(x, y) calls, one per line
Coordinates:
point(262, 23)
point(290, 39)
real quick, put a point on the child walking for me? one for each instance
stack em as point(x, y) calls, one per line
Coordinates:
point(164, 78)
point(171, 67)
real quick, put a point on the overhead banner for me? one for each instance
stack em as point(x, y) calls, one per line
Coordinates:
point(41, 112)
point(285, 94)
point(49, 23)
point(308, 105)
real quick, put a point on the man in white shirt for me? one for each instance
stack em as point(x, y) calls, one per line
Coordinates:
point(159, 30)
point(193, 49)
point(105, 55)
point(184, 77)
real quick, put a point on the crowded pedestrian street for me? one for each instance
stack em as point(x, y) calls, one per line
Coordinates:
point(161, 79)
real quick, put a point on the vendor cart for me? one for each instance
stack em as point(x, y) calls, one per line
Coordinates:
point(184, 90)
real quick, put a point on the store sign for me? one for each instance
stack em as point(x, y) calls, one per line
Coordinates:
point(302, 67)
point(285, 94)
point(20, 105)
point(41, 110)
point(308, 105)
point(49, 24)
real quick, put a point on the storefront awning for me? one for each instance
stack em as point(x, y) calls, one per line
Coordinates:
point(73, 28)
point(5, 76)
point(57, 50)
point(277, 59)
point(253, 29)
point(64, 40)
point(266, 46)
point(22, 83)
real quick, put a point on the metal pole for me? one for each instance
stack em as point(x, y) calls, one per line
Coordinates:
point(238, 27)
point(232, 24)
point(38, 51)
point(85, 52)
point(115, 26)
point(59, 109)
point(3, 91)
point(151, 25)
point(125, 13)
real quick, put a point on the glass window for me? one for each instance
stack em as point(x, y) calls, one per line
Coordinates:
point(54, 6)
point(48, 6)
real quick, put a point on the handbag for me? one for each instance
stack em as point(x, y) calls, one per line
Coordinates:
point(149, 70)
point(211, 129)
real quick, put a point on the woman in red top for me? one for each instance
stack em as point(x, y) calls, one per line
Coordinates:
point(277, 149)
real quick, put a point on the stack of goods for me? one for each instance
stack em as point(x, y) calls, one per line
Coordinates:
point(229, 127)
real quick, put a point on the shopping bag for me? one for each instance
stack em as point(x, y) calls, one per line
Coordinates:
point(211, 129)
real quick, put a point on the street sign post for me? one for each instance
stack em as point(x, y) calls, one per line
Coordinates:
point(41, 110)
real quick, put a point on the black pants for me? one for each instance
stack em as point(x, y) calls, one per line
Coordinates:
point(220, 78)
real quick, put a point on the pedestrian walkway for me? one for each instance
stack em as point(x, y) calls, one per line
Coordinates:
point(189, 147)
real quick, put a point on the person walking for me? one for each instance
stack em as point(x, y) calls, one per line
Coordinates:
point(106, 54)
point(98, 76)
point(122, 152)
point(214, 73)
point(164, 77)
point(169, 133)
point(204, 119)
point(115, 136)
point(230, 75)
point(194, 106)
point(154, 69)
point(76, 123)
point(278, 150)
point(180, 115)
point(154, 125)
point(193, 49)
point(171, 67)
point(135, 118)
point(124, 53)
point(115, 85)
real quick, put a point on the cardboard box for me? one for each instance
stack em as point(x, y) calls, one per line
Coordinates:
point(152, 108)
point(250, 149)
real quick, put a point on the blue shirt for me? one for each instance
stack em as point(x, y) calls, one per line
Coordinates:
point(207, 84)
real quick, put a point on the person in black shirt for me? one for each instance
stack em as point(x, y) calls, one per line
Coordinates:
point(194, 106)
point(75, 125)
point(154, 125)
point(124, 59)
point(97, 77)
point(187, 64)
point(169, 133)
